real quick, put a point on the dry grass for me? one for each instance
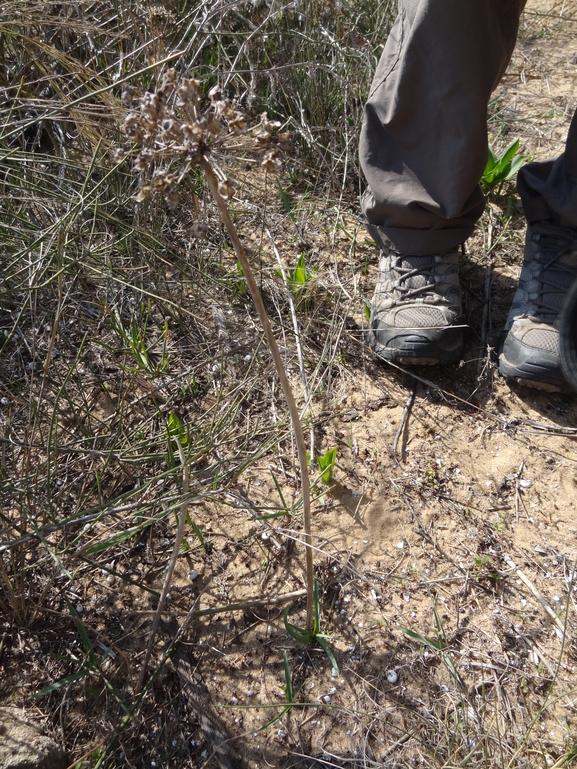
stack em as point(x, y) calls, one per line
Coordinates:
point(123, 336)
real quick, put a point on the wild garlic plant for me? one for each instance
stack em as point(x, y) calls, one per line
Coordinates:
point(174, 131)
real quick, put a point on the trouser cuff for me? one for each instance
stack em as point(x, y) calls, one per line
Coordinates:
point(417, 242)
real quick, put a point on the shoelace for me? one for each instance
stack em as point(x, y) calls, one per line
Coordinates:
point(407, 273)
point(554, 241)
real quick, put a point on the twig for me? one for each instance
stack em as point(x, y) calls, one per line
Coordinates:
point(292, 407)
point(486, 317)
point(559, 629)
point(251, 604)
point(297, 337)
point(404, 421)
point(171, 565)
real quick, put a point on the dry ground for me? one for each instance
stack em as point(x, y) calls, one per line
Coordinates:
point(465, 534)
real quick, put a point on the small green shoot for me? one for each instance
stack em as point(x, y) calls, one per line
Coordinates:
point(436, 645)
point(290, 697)
point(134, 339)
point(501, 169)
point(176, 429)
point(327, 465)
point(286, 201)
point(311, 636)
point(299, 277)
point(241, 285)
point(90, 664)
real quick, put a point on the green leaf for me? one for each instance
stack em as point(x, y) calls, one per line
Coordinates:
point(298, 276)
point(287, 678)
point(329, 653)
point(316, 609)
point(510, 153)
point(327, 465)
point(433, 644)
point(515, 166)
point(491, 162)
point(90, 656)
point(82, 673)
point(299, 634)
point(115, 540)
point(176, 429)
point(286, 201)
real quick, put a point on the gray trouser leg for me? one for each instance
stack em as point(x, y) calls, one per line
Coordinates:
point(423, 144)
point(549, 189)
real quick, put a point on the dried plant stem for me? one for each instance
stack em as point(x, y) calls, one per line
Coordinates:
point(297, 339)
point(285, 384)
point(171, 565)
point(404, 420)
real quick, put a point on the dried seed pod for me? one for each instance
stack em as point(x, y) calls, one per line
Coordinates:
point(284, 140)
point(152, 107)
point(144, 194)
point(226, 189)
point(128, 94)
point(168, 82)
point(237, 123)
point(215, 94)
point(271, 162)
point(132, 127)
point(188, 93)
point(212, 125)
point(192, 131)
point(268, 125)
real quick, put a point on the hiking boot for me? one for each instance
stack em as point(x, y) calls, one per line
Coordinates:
point(416, 308)
point(530, 352)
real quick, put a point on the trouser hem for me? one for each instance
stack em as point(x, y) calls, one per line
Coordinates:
point(417, 242)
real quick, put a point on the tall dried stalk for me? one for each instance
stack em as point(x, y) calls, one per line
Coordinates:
point(285, 384)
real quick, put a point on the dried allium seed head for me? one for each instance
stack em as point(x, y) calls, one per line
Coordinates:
point(160, 18)
point(226, 189)
point(271, 162)
point(188, 92)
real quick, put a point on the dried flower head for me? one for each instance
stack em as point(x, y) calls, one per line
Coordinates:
point(175, 133)
point(226, 188)
point(188, 92)
point(271, 162)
